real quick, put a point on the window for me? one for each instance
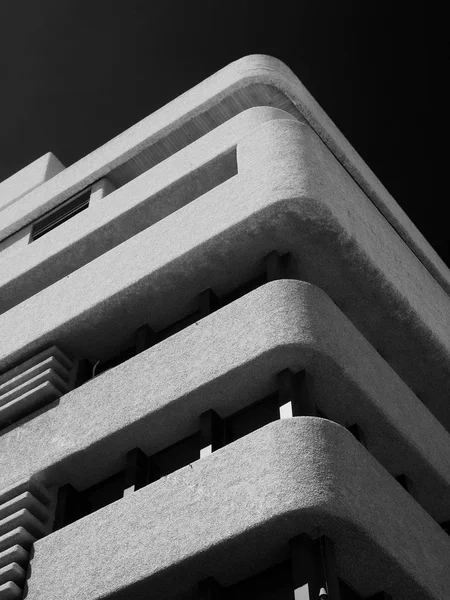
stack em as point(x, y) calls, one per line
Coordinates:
point(62, 213)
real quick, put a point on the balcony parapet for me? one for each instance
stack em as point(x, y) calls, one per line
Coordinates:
point(291, 196)
point(231, 359)
point(251, 81)
point(233, 513)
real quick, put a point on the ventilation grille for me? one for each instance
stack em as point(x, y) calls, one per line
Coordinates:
point(61, 214)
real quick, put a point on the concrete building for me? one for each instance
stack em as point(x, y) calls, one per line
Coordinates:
point(224, 364)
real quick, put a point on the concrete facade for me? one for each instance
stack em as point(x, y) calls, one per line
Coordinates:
point(235, 263)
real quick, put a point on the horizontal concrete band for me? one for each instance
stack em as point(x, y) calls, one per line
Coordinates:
point(253, 80)
point(232, 514)
point(225, 362)
point(129, 210)
point(28, 178)
point(291, 195)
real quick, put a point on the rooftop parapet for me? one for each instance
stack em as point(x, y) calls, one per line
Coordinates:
point(255, 80)
point(29, 178)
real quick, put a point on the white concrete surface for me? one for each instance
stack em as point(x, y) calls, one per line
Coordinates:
point(256, 79)
point(28, 178)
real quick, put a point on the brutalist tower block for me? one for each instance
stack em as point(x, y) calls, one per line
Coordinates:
point(224, 364)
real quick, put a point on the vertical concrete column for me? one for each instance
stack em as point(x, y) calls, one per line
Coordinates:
point(314, 571)
point(295, 394)
point(212, 432)
point(277, 266)
point(70, 506)
point(135, 471)
point(209, 589)
point(100, 189)
point(208, 303)
point(144, 338)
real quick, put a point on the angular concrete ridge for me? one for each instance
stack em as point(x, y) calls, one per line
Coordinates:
point(290, 195)
point(230, 360)
point(24, 517)
point(241, 505)
point(29, 178)
point(33, 384)
point(250, 81)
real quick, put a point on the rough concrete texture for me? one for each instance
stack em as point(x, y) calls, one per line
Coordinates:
point(147, 199)
point(226, 362)
point(233, 513)
point(250, 81)
point(28, 178)
point(290, 195)
point(16, 241)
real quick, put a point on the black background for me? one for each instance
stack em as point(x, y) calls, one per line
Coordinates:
point(75, 73)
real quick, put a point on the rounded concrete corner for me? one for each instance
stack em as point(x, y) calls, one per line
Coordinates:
point(243, 504)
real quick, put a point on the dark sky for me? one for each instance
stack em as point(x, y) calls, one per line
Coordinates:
point(75, 73)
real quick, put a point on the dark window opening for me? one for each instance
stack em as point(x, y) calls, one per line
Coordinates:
point(62, 213)
point(145, 337)
point(274, 583)
point(252, 418)
point(141, 470)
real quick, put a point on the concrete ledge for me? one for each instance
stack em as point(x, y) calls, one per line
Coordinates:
point(149, 198)
point(17, 537)
point(25, 500)
point(291, 195)
point(226, 362)
point(14, 554)
point(252, 80)
point(12, 572)
point(28, 178)
point(10, 591)
point(233, 513)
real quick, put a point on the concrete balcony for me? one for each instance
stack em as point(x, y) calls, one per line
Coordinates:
point(233, 514)
point(290, 195)
point(226, 362)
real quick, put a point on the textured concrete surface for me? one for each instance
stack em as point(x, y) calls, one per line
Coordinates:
point(13, 243)
point(170, 185)
point(28, 178)
point(22, 518)
point(226, 362)
point(290, 195)
point(233, 513)
point(250, 81)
